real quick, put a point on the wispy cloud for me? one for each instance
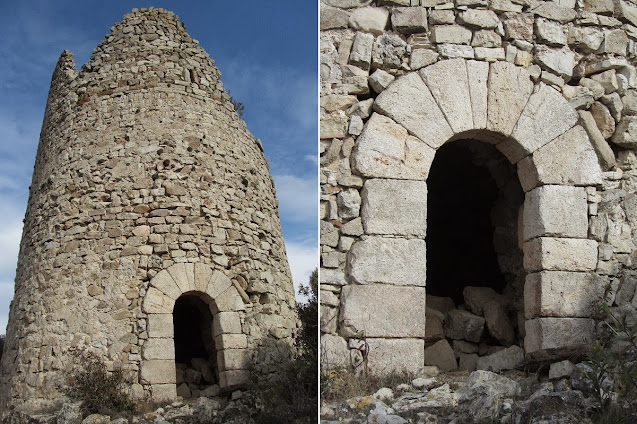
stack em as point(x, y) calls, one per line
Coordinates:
point(298, 200)
point(303, 260)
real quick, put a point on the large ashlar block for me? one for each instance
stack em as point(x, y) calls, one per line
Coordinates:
point(478, 74)
point(451, 98)
point(509, 90)
point(231, 341)
point(395, 355)
point(394, 207)
point(226, 323)
point(409, 102)
point(546, 116)
point(562, 294)
point(160, 325)
point(380, 310)
point(394, 261)
point(567, 160)
point(234, 359)
point(555, 211)
point(556, 338)
point(385, 150)
point(163, 392)
point(234, 379)
point(158, 371)
point(165, 283)
point(560, 254)
point(156, 348)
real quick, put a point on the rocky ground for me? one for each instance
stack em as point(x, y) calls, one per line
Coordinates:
point(565, 397)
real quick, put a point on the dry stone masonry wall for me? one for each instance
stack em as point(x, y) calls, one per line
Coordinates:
point(147, 187)
point(541, 94)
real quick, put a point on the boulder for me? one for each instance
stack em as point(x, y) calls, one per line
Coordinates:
point(505, 359)
point(441, 355)
point(463, 325)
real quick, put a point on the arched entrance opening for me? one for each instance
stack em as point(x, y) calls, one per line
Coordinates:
point(195, 353)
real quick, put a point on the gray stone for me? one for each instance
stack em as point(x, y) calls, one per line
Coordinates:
point(560, 62)
point(422, 57)
point(453, 34)
point(603, 119)
point(361, 54)
point(519, 27)
point(334, 102)
point(549, 32)
point(434, 325)
point(509, 91)
point(558, 337)
point(441, 17)
point(453, 51)
point(389, 52)
point(606, 79)
point(553, 11)
point(70, 413)
point(486, 38)
point(476, 298)
point(421, 383)
point(388, 260)
point(499, 383)
point(584, 39)
point(394, 207)
point(504, 6)
point(441, 355)
point(392, 315)
point(380, 80)
point(615, 42)
point(461, 324)
point(478, 73)
point(626, 132)
point(442, 304)
point(467, 361)
point(361, 109)
point(599, 6)
point(384, 149)
point(369, 19)
point(489, 55)
point(506, 359)
point(420, 115)
point(556, 211)
point(578, 97)
point(355, 125)
point(334, 127)
point(480, 18)
point(614, 104)
point(387, 356)
point(561, 369)
point(629, 102)
point(560, 254)
point(408, 20)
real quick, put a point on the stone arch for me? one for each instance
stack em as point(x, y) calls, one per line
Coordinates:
point(227, 307)
point(536, 129)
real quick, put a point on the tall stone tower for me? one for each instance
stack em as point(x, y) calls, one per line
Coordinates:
point(151, 236)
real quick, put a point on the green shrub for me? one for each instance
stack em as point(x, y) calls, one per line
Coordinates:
point(99, 391)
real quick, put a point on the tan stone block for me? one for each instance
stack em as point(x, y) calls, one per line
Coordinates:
point(451, 98)
point(226, 323)
point(555, 211)
point(184, 276)
point(160, 325)
point(395, 355)
point(380, 310)
point(562, 294)
point(163, 392)
point(409, 102)
point(509, 90)
point(234, 379)
point(231, 341)
point(158, 371)
point(219, 283)
point(478, 74)
point(234, 359)
point(558, 338)
point(560, 254)
point(229, 300)
point(203, 272)
point(156, 302)
point(164, 282)
point(156, 348)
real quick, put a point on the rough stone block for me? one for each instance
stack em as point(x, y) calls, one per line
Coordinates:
point(451, 98)
point(562, 294)
point(334, 352)
point(409, 20)
point(226, 323)
point(560, 254)
point(467, 361)
point(395, 355)
point(394, 207)
point(626, 132)
point(567, 160)
point(476, 298)
point(332, 17)
point(604, 152)
point(409, 102)
point(160, 325)
point(478, 74)
point(509, 90)
point(383, 311)
point(499, 323)
point(229, 300)
point(441, 355)
point(385, 150)
point(233, 359)
point(463, 325)
point(441, 304)
point(546, 116)
point(388, 260)
point(555, 211)
point(163, 393)
point(434, 321)
point(480, 18)
point(158, 371)
point(505, 359)
point(349, 203)
point(453, 34)
point(558, 337)
point(360, 56)
point(369, 19)
point(156, 348)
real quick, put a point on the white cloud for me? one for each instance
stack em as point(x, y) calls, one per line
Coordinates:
point(298, 198)
point(303, 260)
point(312, 158)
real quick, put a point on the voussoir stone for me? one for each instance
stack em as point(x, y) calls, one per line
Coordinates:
point(562, 294)
point(560, 254)
point(388, 260)
point(394, 207)
point(409, 102)
point(395, 355)
point(478, 74)
point(385, 150)
point(451, 98)
point(509, 90)
point(556, 211)
point(392, 314)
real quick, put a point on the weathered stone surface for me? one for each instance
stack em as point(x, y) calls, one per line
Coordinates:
point(349, 203)
point(558, 337)
point(550, 32)
point(607, 79)
point(332, 17)
point(585, 39)
point(226, 323)
point(392, 314)
point(160, 325)
point(334, 102)
point(519, 26)
point(480, 18)
point(441, 17)
point(409, 20)
point(451, 98)
point(567, 160)
point(509, 91)
point(553, 11)
point(499, 323)
point(334, 127)
point(560, 62)
point(388, 260)
point(442, 304)
point(434, 325)
point(395, 355)
point(489, 55)
point(419, 114)
point(561, 369)
point(453, 34)
point(579, 97)
point(380, 80)
point(615, 42)
point(394, 207)
point(486, 38)
point(461, 324)
point(603, 119)
point(157, 348)
point(505, 359)
point(385, 150)
point(422, 57)
point(499, 383)
point(476, 298)
point(441, 355)
point(361, 54)
point(604, 152)
point(546, 116)
point(560, 254)
point(562, 294)
point(452, 51)
point(626, 132)
point(556, 211)
point(158, 371)
point(369, 19)
point(478, 73)
point(389, 51)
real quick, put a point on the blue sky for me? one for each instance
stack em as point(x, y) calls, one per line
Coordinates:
point(265, 50)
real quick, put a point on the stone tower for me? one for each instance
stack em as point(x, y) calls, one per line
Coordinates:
point(151, 235)
point(479, 179)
